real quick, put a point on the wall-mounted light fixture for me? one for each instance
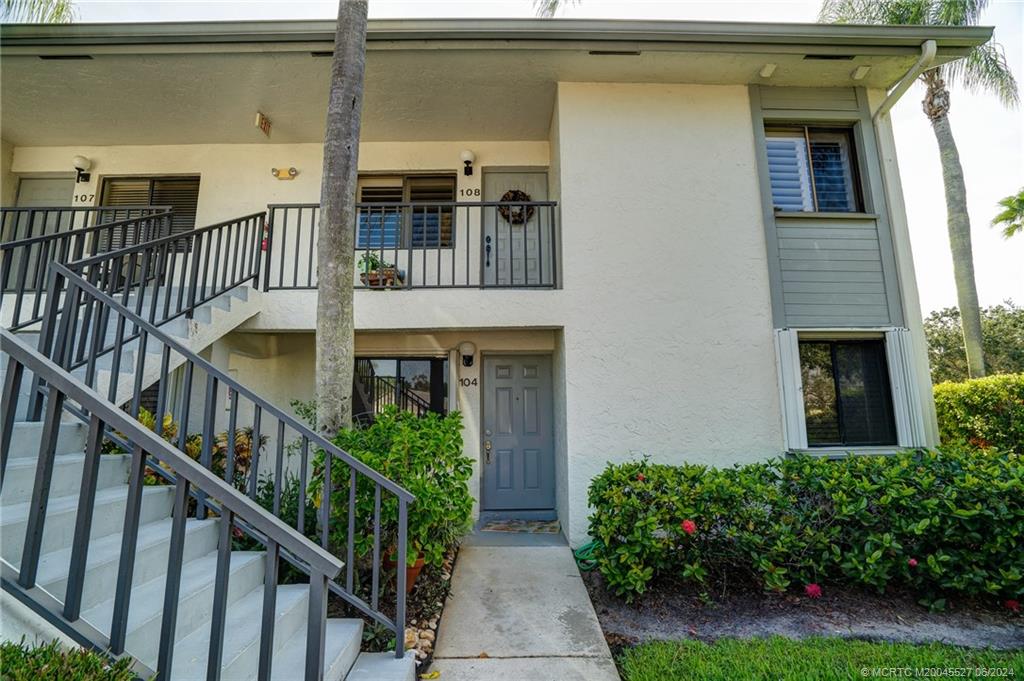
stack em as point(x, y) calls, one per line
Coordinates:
point(768, 70)
point(467, 349)
point(284, 173)
point(467, 159)
point(81, 165)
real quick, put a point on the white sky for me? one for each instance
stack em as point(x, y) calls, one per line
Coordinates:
point(990, 137)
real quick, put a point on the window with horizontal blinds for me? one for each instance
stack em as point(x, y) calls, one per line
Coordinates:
point(380, 227)
point(811, 169)
point(180, 193)
point(431, 226)
point(422, 226)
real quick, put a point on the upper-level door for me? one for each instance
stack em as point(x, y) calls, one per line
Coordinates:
point(517, 239)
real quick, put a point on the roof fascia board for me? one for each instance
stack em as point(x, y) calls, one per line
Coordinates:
point(517, 30)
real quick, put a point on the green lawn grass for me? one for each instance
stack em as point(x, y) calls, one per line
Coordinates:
point(780, 659)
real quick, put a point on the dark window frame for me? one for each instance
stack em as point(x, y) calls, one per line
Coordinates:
point(807, 130)
point(438, 365)
point(885, 390)
point(405, 236)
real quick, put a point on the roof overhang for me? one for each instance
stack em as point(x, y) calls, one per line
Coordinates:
point(462, 79)
point(951, 40)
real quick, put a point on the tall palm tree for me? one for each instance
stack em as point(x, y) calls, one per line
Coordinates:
point(37, 11)
point(1012, 217)
point(983, 69)
point(335, 333)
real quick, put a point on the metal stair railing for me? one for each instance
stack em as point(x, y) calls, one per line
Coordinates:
point(250, 416)
point(161, 279)
point(24, 261)
point(147, 448)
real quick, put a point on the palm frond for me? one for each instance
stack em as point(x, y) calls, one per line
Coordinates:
point(548, 8)
point(38, 11)
point(1011, 219)
point(984, 69)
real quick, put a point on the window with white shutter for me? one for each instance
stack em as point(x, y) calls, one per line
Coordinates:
point(812, 169)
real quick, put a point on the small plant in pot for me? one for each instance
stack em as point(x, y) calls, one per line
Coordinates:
point(376, 272)
point(423, 455)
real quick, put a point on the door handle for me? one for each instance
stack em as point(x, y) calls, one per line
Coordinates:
point(487, 451)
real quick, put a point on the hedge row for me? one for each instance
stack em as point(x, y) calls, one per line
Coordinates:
point(938, 523)
point(982, 412)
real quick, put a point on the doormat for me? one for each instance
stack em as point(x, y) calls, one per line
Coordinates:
point(527, 526)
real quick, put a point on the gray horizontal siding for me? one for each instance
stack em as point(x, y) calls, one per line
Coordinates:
point(831, 272)
point(809, 98)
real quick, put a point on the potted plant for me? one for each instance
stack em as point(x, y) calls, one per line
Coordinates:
point(377, 272)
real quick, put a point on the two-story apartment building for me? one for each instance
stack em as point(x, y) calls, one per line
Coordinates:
point(597, 240)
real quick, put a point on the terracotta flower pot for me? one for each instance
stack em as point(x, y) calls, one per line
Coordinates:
point(411, 571)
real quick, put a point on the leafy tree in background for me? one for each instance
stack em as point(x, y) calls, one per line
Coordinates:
point(983, 69)
point(1012, 217)
point(1002, 331)
point(37, 11)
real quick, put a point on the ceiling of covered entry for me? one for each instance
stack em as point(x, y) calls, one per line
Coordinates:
point(411, 94)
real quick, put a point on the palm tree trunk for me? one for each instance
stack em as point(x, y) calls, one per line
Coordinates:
point(936, 106)
point(335, 333)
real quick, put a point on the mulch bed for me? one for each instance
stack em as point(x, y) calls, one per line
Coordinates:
point(673, 611)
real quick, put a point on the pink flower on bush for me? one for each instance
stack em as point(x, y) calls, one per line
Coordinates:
point(689, 527)
point(812, 591)
point(641, 477)
point(912, 562)
point(237, 532)
point(1012, 605)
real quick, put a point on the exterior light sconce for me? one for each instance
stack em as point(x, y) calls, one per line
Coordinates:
point(467, 349)
point(467, 159)
point(284, 173)
point(767, 71)
point(81, 165)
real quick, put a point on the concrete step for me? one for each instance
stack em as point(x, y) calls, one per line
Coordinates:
point(242, 632)
point(341, 648)
point(25, 438)
point(195, 601)
point(59, 526)
point(383, 667)
point(105, 554)
point(67, 476)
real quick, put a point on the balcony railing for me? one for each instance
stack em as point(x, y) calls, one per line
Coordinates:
point(423, 245)
point(35, 237)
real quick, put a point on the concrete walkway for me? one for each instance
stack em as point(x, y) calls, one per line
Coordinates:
point(520, 613)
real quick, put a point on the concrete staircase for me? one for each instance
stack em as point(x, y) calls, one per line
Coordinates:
point(343, 659)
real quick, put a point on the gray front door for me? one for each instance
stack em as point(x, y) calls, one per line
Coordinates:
point(519, 463)
point(517, 252)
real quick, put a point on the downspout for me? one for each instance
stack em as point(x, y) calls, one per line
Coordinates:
point(928, 49)
point(914, 384)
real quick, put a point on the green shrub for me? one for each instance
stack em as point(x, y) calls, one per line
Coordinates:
point(983, 412)
point(949, 522)
point(424, 455)
point(22, 662)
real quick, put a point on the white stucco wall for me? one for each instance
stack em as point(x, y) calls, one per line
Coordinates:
point(668, 331)
point(661, 334)
point(8, 181)
point(235, 179)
